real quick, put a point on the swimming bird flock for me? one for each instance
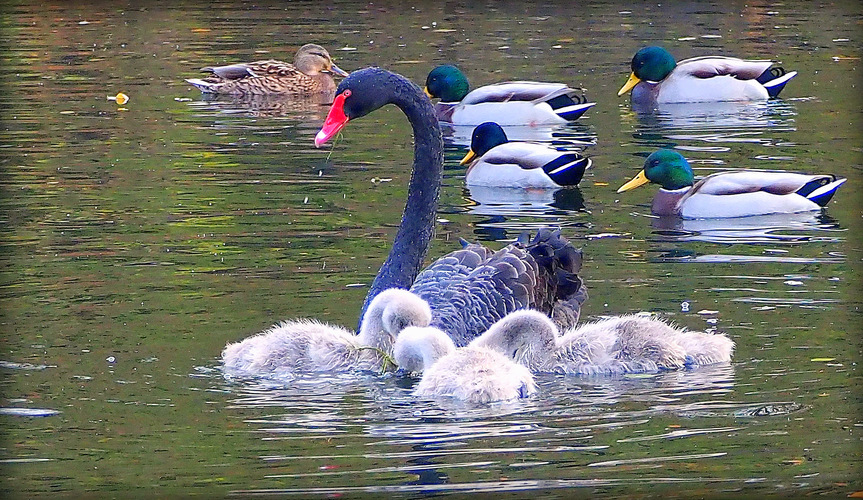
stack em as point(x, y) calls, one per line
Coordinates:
point(477, 324)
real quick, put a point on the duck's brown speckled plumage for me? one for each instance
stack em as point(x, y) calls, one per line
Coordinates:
point(311, 73)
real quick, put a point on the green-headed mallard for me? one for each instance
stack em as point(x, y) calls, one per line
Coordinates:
point(729, 194)
point(310, 74)
point(657, 78)
point(507, 103)
point(496, 162)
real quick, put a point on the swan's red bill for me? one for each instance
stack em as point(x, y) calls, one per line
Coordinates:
point(336, 119)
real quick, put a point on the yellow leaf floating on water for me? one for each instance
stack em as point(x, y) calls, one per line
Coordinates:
point(121, 98)
point(822, 360)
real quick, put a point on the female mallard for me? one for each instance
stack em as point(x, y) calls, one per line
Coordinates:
point(310, 74)
point(657, 78)
point(496, 162)
point(507, 103)
point(729, 194)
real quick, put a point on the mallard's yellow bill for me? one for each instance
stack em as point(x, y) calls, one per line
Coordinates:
point(469, 157)
point(426, 90)
point(632, 82)
point(636, 181)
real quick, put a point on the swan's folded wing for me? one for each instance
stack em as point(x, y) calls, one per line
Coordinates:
point(517, 91)
point(541, 275)
point(466, 300)
point(710, 66)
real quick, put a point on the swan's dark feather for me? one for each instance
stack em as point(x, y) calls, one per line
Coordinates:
point(472, 288)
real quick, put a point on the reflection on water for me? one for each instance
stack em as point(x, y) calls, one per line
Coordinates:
point(523, 202)
point(305, 109)
point(721, 118)
point(778, 229)
point(568, 136)
point(574, 421)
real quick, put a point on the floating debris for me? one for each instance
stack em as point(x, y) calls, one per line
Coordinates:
point(28, 412)
point(12, 365)
point(121, 98)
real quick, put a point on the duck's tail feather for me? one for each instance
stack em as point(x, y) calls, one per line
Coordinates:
point(774, 79)
point(821, 189)
point(204, 86)
point(567, 169)
point(569, 107)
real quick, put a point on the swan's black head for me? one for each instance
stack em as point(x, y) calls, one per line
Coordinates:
point(358, 95)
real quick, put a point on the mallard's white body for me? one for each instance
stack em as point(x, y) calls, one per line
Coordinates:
point(520, 165)
point(744, 193)
point(710, 78)
point(513, 103)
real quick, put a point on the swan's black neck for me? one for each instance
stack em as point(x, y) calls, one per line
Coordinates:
point(418, 220)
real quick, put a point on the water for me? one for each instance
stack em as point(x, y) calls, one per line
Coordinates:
point(138, 242)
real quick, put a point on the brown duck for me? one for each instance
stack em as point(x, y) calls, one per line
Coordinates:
point(310, 74)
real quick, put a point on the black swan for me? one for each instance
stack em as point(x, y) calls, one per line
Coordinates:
point(469, 289)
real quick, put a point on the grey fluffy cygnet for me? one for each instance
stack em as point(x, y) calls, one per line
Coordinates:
point(309, 345)
point(473, 374)
point(617, 345)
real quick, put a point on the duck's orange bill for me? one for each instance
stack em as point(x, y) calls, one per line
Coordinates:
point(336, 120)
point(636, 181)
point(469, 157)
point(632, 82)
